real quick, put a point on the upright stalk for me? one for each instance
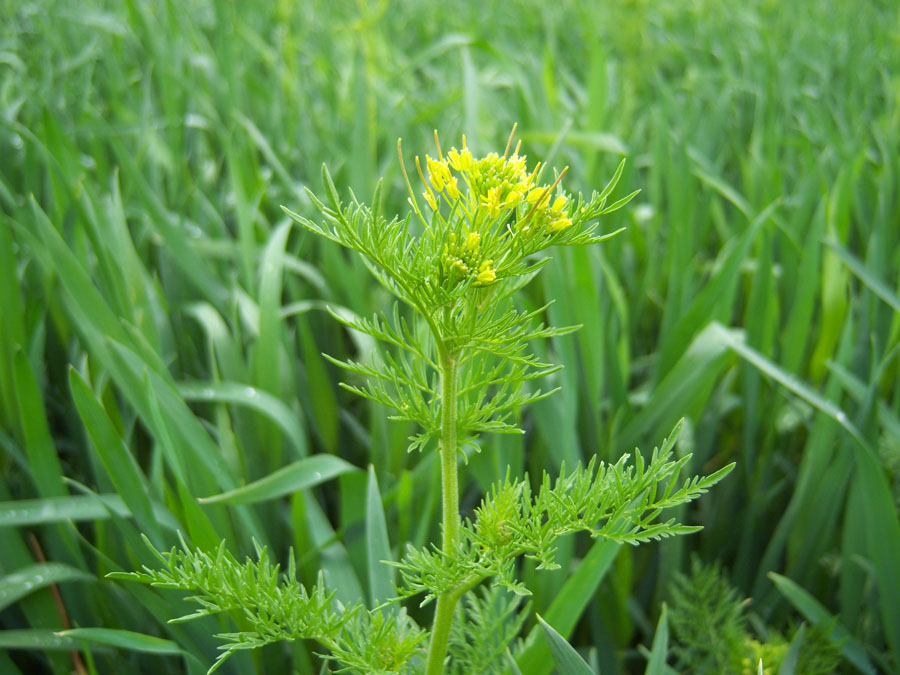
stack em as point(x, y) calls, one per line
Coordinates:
point(446, 602)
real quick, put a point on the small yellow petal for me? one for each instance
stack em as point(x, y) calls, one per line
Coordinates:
point(513, 198)
point(453, 188)
point(535, 194)
point(492, 201)
point(453, 159)
point(486, 274)
point(429, 197)
point(559, 204)
point(435, 173)
point(465, 159)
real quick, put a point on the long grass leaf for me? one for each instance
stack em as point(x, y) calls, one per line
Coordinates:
point(299, 475)
point(231, 392)
point(77, 508)
point(378, 546)
point(29, 579)
point(570, 603)
point(564, 655)
point(123, 639)
point(119, 463)
point(656, 664)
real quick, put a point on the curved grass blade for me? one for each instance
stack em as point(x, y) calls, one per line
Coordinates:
point(261, 401)
point(789, 381)
point(123, 639)
point(78, 508)
point(119, 463)
point(36, 638)
point(20, 583)
point(305, 473)
point(858, 268)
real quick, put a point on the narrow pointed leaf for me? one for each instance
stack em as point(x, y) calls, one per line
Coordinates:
point(24, 581)
point(123, 639)
point(300, 475)
point(565, 657)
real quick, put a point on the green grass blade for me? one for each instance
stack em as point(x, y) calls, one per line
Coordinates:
point(43, 461)
point(56, 256)
point(196, 268)
point(299, 475)
point(79, 508)
point(856, 266)
point(790, 382)
point(36, 638)
point(119, 463)
point(29, 579)
point(565, 657)
point(656, 664)
point(792, 656)
point(335, 564)
point(291, 423)
point(883, 535)
point(815, 613)
point(378, 545)
point(13, 333)
point(570, 603)
point(683, 392)
point(123, 639)
point(268, 355)
point(323, 404)
point(715, 299)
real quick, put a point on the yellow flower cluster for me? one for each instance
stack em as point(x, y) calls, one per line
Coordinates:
point(547, 217)
point(464, 259)
point(495, 184)
point(493, 201)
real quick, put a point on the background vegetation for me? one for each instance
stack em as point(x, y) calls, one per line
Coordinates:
point(161, 326)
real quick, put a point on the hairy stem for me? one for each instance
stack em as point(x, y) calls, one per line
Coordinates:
point(446, 603)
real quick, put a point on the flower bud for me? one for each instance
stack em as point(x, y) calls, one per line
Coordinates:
point(453, 188)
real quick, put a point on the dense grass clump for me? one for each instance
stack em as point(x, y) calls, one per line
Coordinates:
point(162, 320)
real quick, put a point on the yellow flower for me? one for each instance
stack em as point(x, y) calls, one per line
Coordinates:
point(513, 199)
point(473, 240)
point(535, 194)
point(460, 160)
point(486, 274)
point(517, 165)
point(453, 159)
point(438, 174)
point(493, 202)
point(429, 197)
point(453, 188)
point(559, 204)
point(560, 224)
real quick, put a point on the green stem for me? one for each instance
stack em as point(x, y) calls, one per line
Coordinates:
point(446, 602)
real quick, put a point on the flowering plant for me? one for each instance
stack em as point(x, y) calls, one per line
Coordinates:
point(456, 363)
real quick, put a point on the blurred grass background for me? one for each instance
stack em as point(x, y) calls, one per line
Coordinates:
point(161, 324)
